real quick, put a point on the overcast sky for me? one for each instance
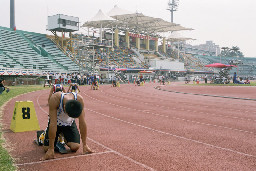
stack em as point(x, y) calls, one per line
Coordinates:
point(225, 22)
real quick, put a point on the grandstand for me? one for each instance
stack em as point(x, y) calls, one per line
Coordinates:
point(34, 51)
point(27, 50)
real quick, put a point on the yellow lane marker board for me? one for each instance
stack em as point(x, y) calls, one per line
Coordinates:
point(24, 117)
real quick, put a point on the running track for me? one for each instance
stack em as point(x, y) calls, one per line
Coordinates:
point(143, 128)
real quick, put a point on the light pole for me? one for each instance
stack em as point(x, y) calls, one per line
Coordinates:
point(93, 60)
point(108, 60)
point(173, 6)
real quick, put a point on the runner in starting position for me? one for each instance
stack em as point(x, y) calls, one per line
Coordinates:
point(64, 108)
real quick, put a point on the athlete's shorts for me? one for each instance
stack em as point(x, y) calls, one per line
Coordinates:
point(70, 134)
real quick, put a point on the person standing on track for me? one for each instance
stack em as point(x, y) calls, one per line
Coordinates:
point(64, 108)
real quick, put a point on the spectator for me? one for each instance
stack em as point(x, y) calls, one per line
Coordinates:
point(3, 87)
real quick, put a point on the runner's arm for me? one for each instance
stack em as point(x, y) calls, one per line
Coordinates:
point(50, 94)
point(69, 88)
point(64, 91)
point(53, 104)
point(83, 130)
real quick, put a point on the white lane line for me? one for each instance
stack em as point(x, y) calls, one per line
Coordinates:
point(37, 100)
point(177, 118)
point(177, 136)
point(64, 158)
point(187, 104)
point(111, 150)
point(126, 157)
point(237, 110)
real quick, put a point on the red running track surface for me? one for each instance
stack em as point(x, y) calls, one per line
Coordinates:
point(143, 128)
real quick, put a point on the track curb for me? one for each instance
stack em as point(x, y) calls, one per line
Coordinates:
point(210, 95)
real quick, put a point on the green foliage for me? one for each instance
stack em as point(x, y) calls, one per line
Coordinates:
point(231, 52)
point(6, 162)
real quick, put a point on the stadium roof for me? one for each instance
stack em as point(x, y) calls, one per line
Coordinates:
point(99, 20)
point(140, 22)
point(135, 22)
point(118, 11)
point(177, 39)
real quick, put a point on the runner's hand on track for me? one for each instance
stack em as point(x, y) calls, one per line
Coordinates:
point(49, 154)
point(87, 150)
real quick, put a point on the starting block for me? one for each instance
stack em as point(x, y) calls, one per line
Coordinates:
point(24, 117)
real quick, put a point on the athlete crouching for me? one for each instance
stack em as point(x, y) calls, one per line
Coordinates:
point(64, 108)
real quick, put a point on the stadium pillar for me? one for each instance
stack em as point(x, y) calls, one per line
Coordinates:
point(138, 42)
point(101, 33)
point(62, 36)
point(147, 42)
point(71, 43)
point(164, 46)
point(112, 39)
point(156, 44)
point(116, 37)
point(127, 39)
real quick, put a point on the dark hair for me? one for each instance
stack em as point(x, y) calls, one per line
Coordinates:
point(58, 89)
point(73, 108)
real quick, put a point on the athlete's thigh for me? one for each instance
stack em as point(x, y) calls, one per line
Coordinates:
point(71, 134)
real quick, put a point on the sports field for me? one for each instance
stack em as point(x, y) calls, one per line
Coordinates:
point(150, 127)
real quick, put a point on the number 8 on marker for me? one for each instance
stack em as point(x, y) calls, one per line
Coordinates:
point(26, 113)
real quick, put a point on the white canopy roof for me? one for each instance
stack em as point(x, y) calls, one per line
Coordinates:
point(140, 22)
point(134, 22)
point(99, 19)
point(175, 37)
point(100, 16)
point(117, 11)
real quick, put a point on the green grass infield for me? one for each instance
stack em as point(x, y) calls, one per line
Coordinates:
point(6, 161)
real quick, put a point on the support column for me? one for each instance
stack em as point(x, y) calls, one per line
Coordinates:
point(156, 44)
point(147, 43)
point(164, 45)
point(71, 42)
point(62, 35)
point(138, 42)
point(116, 37)
point(127, 39)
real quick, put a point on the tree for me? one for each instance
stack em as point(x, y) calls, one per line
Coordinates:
point(231, 52)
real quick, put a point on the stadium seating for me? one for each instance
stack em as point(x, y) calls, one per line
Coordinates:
point(26, 50)
point(246, 66)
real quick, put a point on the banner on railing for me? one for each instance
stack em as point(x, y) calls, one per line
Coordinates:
point(142, 36)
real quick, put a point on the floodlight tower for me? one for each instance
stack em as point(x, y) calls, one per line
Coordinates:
point(173, 6)
point(12, 15)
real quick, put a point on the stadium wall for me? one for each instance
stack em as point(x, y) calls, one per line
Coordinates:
point(166, 64)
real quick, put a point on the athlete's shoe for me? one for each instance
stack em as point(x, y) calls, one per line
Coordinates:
point(60, 148)
point(40, 137)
